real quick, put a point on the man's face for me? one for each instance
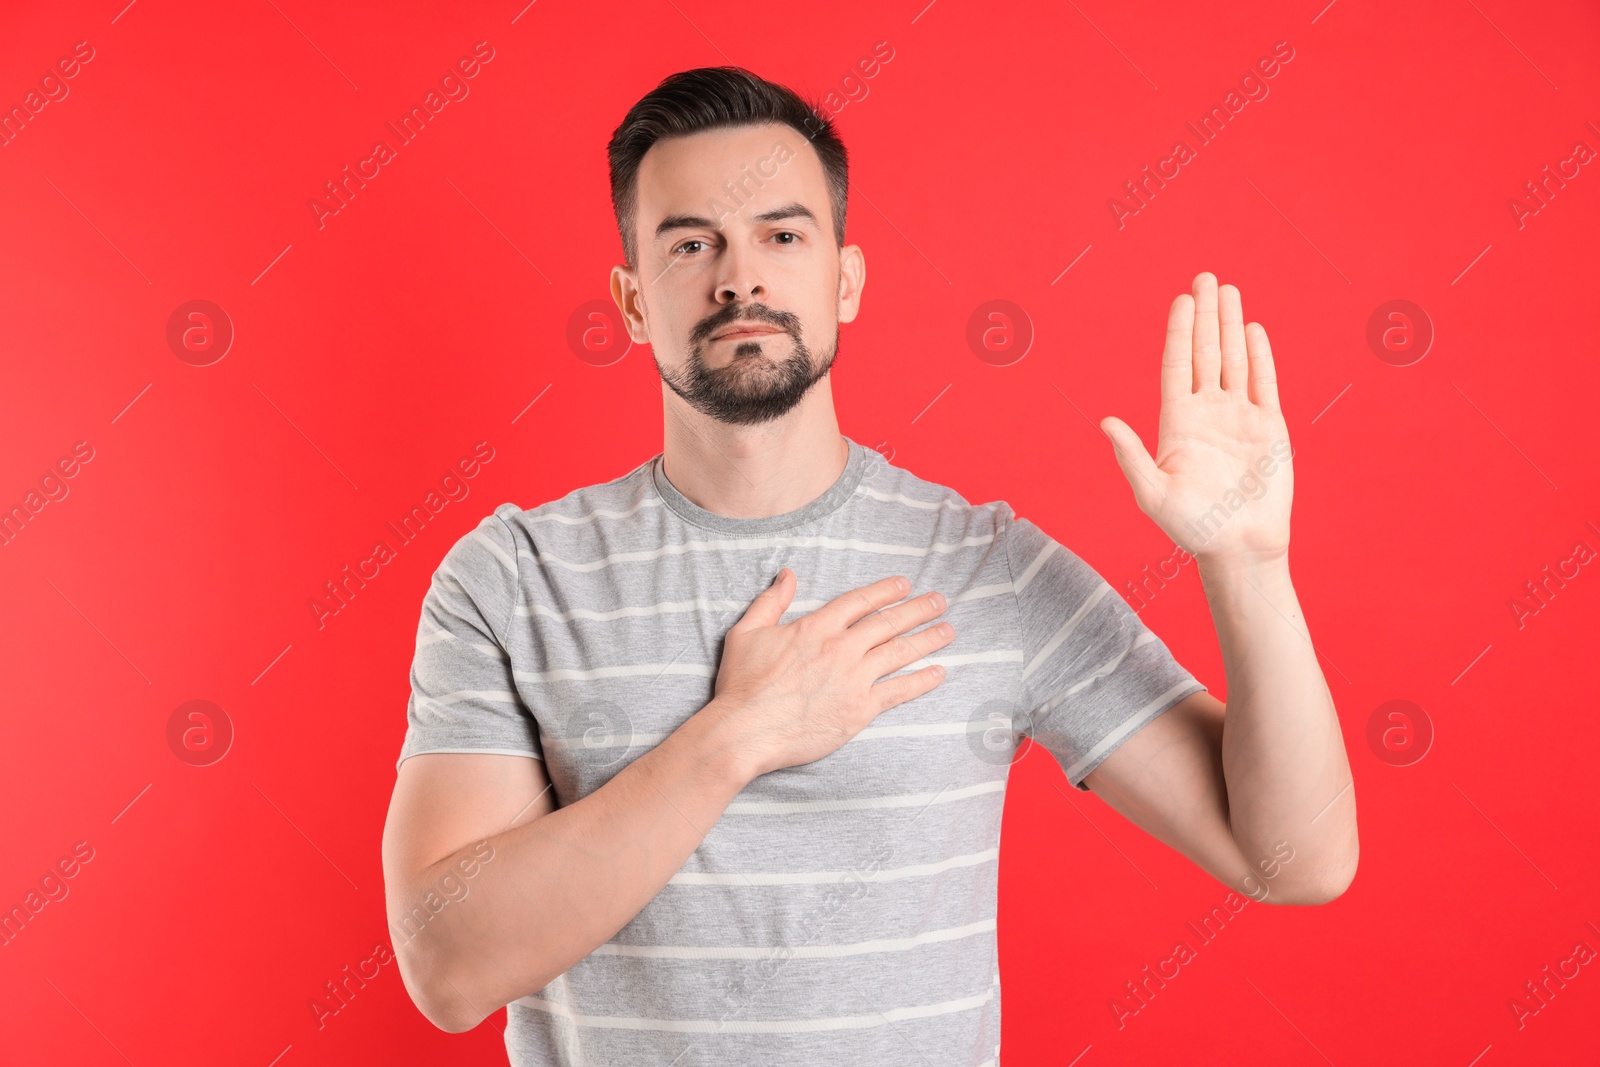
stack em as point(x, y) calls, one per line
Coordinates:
point(735, 232)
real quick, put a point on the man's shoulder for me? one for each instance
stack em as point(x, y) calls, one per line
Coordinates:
point(621, 497)
point(492, 548)
point(911, 495)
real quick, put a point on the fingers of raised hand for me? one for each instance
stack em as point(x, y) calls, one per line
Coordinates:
point(1263, 371)
point(1177, 355)
point(1207, 337)
point(1235, 361)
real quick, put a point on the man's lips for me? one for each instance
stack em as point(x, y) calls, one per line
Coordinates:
point(744, 331)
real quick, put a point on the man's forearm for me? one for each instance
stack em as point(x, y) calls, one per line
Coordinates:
point(562, 884)
point(1283, 758)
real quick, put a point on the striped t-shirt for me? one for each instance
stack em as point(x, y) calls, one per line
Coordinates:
point(840, 912)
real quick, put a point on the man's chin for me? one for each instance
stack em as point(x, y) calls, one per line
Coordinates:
point(746, 372)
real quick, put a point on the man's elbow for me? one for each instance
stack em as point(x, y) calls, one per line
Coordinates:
point(1327, 887)
point(438, 997)
point(448, 1016)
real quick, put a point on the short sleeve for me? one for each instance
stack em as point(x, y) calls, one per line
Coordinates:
point(1092, 672)
point(463, 697)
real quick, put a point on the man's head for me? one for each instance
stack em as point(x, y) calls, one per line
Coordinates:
point(730, 196)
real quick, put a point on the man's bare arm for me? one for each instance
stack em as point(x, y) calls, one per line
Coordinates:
point(1290, 835)
point(556, 883)
point(1269, 781)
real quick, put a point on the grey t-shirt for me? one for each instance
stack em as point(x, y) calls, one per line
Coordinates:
point(840, 912)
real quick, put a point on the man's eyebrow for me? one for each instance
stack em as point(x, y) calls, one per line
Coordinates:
point(777, 214)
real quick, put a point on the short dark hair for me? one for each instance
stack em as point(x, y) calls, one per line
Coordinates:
point(709, 98)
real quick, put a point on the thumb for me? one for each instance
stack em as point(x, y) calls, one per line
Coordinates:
point(1141, 471)
point(769, 606)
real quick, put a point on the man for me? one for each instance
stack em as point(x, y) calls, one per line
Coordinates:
point(706, 764)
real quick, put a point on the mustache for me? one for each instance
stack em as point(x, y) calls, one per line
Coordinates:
point(783, 320)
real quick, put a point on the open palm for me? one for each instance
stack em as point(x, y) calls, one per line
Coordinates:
point(1222, 479)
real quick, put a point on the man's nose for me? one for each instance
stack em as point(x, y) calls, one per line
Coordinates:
point(739, 276)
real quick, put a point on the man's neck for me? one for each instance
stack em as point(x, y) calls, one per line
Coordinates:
point(753, 472)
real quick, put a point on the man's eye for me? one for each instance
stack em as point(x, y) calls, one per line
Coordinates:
point(789, 233)
point(686, 244)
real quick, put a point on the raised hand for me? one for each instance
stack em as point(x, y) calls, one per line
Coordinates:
point(1222, 479)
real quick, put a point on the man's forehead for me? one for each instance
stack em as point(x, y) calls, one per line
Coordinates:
point(747, 170)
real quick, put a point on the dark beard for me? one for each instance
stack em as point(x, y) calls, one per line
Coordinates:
point(754, 387)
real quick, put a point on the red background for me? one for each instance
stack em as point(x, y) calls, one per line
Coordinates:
point(373, 352)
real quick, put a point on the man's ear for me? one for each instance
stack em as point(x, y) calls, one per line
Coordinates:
point(852, 279)
point(630, 301)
